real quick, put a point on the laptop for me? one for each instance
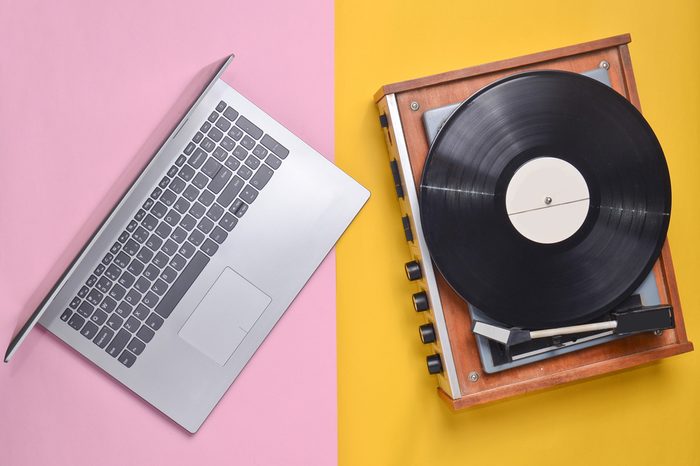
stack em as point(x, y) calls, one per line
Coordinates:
point(185, 278)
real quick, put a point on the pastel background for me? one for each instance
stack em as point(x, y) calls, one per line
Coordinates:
point(389, 413)
point(88, 92)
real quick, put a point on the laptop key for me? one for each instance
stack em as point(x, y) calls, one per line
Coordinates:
point(249, 194)
point(164, 230)
point(221, 106)
point(124, 309)
point(154, 321)
point(220, 154)
point(259, 151)
point(197, 137)
point(144, 333)
point(177, 185)
point(169, 247)
point(150, 222)
point(155, 195)
point(141, 312)
point(205, 224)
point(181, 205)
point(247, 142)
point(118, 343)
point(207, 144)
point(232, 163)
point(66, 315)
point(151, 272)
point(187, 250)
point(89, 330)
point(159, 287)
point(107, 258)
point(230, 113)
point(164, 182)
point(196, 237)
point(99, 269)
point(273, 161)
point(98, 317)
point(117, 292)
point(247, 126)
point(231, 191)
point(179, 234)
point(94, 297)
point(173, 217)
point(188, 222)
point(141, 234)
point(245, 172)
point(228, 221)
point(220, 180)
point(190, 193)
point(187, 172)
point(114, 322)
point(235, 133)
point(188, 151)
point(83, 291)
point(242, 209)
point(215, 134)
point(228, 143)
point(115, 248)
point(279, 150)
point(126, 279)
point(132, 324)
point(213, 116)
point(240, 153)
point(150, 299)
point(168, 197)
point(178, 262)
point(215, 212)
point(188, 275)
point(209, 247)
point(262, 176)
point(132, 297)
point(135, 267)
point(197, 158)
point(168, 274)
point(223, 124)
point(127, 358)
point(200, 180)
point(211, 168)
point(252, 162)
point(142, 284)
point(108, 304)
point(75, 302)
point(218, 234)
point(103, 337)
point(205, 127)
point(131, 247)
point(85, 309)
point(136, 346)
point(132, 226)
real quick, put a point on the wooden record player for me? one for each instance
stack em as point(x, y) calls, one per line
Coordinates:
point(462, 380)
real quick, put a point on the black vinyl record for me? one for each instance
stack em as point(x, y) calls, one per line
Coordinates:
point(485, 259)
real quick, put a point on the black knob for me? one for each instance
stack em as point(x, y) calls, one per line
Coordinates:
point(434, 363)
point(420, 301)
point(427, 333)
point(413, 270)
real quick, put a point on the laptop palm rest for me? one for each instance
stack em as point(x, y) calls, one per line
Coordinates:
point(225, 316)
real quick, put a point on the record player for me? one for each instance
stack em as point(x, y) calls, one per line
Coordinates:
point(535, 201)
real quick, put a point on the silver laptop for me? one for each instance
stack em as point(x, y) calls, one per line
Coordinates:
point(201, 257)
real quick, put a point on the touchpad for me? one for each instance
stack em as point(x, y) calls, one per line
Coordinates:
point(225, 316)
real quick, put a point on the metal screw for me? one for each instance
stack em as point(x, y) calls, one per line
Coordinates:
point(473, 376)
point(658, 332)
point(604, 64)
point(415, 105)
point(547, 200)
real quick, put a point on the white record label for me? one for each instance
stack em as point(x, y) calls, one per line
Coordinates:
point(547, 200)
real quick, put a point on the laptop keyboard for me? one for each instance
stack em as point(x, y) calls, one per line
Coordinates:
point(174, 234)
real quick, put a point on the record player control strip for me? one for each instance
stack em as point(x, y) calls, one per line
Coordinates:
point(419, 270)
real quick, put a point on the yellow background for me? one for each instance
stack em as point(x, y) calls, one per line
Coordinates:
point(389, 413)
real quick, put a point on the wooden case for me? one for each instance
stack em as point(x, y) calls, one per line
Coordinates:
point(463, 382)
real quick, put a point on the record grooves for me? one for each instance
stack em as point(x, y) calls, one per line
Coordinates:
point(569, 124)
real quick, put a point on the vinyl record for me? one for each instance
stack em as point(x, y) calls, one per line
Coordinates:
point(545, 199)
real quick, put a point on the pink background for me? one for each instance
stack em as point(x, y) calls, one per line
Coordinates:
point(88, 91)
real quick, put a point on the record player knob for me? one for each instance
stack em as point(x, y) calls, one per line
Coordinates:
point(427, 333)
point(434, 363)
point(420, 301)
point(413, 271)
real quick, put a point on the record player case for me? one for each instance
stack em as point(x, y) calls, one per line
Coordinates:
point(462, 381)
